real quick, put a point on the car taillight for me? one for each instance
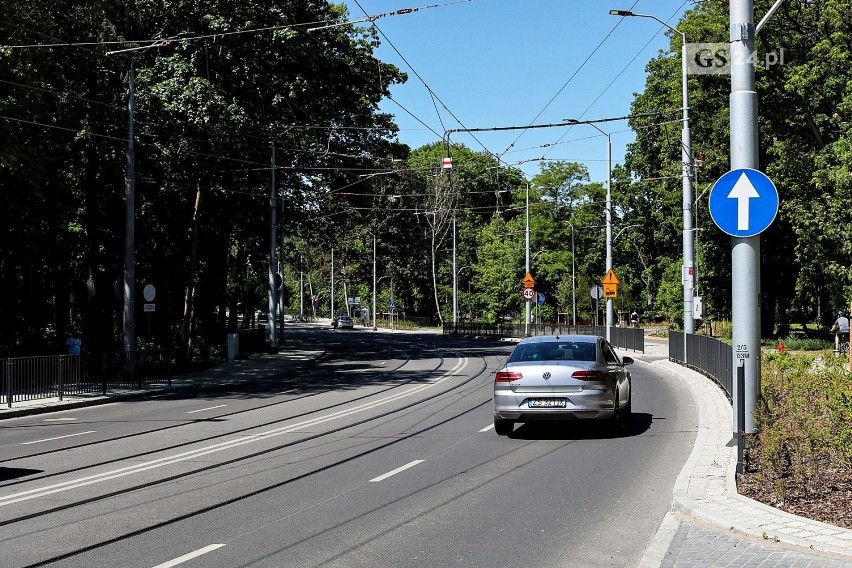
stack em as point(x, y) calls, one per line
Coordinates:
point(507, 376)
point(588, 375)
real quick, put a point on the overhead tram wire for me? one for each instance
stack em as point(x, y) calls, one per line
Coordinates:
point(150, 42)
point(620, 73)
point(366, 80)
point(260, 166)
point(571, 78)
point(416, 74)
point(374, 17)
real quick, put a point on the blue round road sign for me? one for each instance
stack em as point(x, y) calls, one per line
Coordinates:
point(743, 203)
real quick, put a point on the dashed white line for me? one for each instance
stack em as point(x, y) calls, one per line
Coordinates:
point(487, 428)
point(57, 438)
point(208, 408)
point(189, 556)
point(58, 419)
point(225, 445)
point(394, 472)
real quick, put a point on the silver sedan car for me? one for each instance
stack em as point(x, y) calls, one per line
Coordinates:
point(562, 377)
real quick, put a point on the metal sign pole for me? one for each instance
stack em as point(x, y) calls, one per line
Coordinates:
point(745, 253)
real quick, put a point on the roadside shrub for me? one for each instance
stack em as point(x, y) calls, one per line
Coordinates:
point(798, 344)
point(803, 420)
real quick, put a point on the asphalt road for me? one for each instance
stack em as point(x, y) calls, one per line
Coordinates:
point(383, 454)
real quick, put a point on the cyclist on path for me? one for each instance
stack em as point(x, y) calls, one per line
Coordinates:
point(840, 328)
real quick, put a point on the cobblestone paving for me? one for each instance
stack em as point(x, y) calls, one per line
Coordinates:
point(696, 546)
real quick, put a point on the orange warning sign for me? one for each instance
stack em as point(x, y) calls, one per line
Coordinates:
point(611, 278)
point(529, 281)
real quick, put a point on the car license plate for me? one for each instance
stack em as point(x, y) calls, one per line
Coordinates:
point(547, 403)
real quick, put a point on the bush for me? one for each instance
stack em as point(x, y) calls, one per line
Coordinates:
point(803, 420)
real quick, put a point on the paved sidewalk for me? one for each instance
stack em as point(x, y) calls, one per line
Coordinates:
point(259, 365)
point(710, 524)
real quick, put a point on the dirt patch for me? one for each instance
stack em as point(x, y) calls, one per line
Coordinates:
point(827, 498)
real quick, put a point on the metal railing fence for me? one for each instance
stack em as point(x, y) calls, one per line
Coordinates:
point(624, 337)
point(55, 376)
point(705, 354)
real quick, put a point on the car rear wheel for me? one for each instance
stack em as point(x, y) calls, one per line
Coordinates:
point(626, 414)
point(503, 427)
point(622, 417)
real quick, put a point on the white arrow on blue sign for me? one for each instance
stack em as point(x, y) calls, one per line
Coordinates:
point(743, 203)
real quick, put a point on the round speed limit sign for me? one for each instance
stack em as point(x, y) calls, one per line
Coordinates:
point(529, 294)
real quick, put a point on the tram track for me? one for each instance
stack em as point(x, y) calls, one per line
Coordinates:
point(188, 423)
point(41, 493)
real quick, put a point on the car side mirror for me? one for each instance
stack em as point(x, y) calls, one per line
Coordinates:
point(627, 360)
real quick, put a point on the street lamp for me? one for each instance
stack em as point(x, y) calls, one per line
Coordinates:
point(609, 302)
point(468, 286)
point(374, 281)
point(527, 232)
point(455, 281)
point(624, 228)
point(686, 158)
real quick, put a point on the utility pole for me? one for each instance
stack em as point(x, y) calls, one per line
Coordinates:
point(455, 281)
point(688, 268)
point(609, 301)
point(745, 251)
point(527, 232)
point(130, 221)
point(374, 282)
point(271, 335)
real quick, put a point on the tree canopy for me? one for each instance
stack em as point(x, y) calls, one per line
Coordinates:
point(222, 92)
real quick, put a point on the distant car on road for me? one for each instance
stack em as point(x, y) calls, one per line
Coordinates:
point(562, 378)
point(343, 321)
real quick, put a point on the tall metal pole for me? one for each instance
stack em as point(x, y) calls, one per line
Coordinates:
point(332, 284)
point(573, 280)
point(374, 282)
point(609, 301)
point(130, 222)
point(686, 159)
point(271, 334)
point(527, 316)
point(281, 338)
point(688, 234)
point(455, 280)
point(745, 252)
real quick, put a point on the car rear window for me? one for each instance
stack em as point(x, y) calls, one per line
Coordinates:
point(554, 351)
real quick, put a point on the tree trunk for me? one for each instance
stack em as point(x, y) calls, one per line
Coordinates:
point(189, 292)
point(435, 278)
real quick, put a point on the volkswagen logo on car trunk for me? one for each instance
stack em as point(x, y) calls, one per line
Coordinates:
point(546, 375)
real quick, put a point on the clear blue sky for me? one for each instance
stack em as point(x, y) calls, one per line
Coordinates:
point(497, 63)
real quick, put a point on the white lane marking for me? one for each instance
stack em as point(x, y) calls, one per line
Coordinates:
point(221, 446)
point(487, 428)
point(58, 419)
point(394, 472)
point(57, 438)
point(189, 556)
point(203, 409)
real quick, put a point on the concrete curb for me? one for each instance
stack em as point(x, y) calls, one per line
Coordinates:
point(706, 487)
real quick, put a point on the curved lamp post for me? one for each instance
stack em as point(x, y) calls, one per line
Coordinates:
point(686, 158)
